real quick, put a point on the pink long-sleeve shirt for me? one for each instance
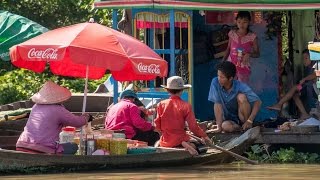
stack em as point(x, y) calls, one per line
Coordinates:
point(126, 115)
point(45, 122)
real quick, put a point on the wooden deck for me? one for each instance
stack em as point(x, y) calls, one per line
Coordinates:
point(269, 136)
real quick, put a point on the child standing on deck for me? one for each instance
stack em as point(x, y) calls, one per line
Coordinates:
point(172, 115)
point(242, 45)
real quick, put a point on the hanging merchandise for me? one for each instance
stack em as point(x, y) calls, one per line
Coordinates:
point(317, 26)
point(220, 40)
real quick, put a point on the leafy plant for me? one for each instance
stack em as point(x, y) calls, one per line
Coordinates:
point(262, 154)
point(274, 22)
point(286, 155)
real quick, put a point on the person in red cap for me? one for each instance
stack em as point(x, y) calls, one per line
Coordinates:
point(125, 115)
point(47, 118)
point(172, 116)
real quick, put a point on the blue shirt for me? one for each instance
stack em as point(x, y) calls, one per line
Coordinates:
point(228, 100)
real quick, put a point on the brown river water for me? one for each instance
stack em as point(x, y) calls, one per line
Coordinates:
point(224, 172)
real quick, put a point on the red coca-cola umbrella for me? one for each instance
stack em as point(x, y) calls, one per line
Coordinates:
point(72, 50)
point(87, 50)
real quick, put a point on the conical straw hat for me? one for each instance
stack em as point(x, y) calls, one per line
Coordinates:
point(51, 93)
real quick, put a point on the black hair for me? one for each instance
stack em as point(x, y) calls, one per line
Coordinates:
point(244, 14)
point(305, 51)
point(129, 97)
point(174, 91)
point(227, 68)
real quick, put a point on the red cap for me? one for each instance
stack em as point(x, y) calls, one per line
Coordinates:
point(69, 128)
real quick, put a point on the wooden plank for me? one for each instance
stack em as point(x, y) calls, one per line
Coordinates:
point(289, 138)
point(28, 103)
point(271, 137)
point(8, 141)
point(10, 106)
point(16, 105)
point(95, 102)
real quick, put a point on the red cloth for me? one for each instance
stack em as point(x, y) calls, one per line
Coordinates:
point(126, 115)
point(172, 116)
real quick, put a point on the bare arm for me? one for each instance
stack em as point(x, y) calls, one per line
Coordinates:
point(309, 78)
point(255, 110)
point(193, 125)
point(248, 123)
point(218, 112)
point(227, 52)
point(255, 49)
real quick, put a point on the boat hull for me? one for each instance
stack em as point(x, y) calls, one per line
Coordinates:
point(20, 162)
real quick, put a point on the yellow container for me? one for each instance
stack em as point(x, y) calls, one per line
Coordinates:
point(118, 146)
point(103, 143)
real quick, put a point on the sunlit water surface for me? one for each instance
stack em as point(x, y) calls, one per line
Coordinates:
point(224, 172)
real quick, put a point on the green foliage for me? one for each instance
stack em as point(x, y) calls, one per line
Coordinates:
point(18, 84)
point(274, 23)
point(57, 13)
point(285, 36)
point(5, 67)
point(262, 154)
point(21, 84)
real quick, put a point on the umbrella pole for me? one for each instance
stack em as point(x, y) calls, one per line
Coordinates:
point(85, 91)
point(82, 145)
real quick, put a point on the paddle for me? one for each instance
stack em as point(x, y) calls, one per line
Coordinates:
point(227, 151)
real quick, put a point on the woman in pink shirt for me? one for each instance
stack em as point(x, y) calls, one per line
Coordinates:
point(125, 115)
point(243, 45)
point(172, 116)
point(47, 117)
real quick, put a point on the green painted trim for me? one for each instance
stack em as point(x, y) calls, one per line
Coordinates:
point(255, 1)
point(227, 9)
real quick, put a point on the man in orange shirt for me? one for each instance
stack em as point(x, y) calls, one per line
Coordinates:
point(172, 115)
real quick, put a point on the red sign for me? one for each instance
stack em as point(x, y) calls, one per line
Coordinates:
point(220, 17)
point(228, 17)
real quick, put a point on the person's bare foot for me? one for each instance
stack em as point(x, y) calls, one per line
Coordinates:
point(275, 107)
point(189, 148)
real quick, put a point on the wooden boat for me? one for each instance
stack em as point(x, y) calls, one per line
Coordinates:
point(20, 162)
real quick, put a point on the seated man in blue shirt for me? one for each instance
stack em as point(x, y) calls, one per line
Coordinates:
point(232, 100)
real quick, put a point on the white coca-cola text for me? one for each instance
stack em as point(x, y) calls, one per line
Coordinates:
point(49, 53)
point(152, 68)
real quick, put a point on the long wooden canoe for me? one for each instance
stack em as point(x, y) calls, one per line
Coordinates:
point(19, 162)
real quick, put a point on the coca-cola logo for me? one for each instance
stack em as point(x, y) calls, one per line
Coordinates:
point(49, 53)
point(151, 69)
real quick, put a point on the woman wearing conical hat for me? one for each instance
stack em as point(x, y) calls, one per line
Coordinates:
point(47, 118)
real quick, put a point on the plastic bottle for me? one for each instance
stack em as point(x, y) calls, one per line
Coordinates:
point(239, 56)
point(67, 135)
point(91, 146)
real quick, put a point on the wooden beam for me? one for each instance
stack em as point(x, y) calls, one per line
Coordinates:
point(271, 137)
